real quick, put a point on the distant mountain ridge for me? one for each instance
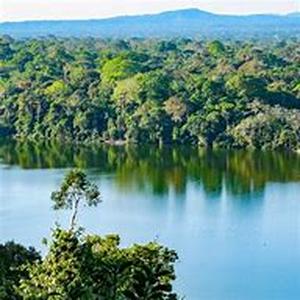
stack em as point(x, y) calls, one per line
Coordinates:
point(294, 14)
point(179, 23)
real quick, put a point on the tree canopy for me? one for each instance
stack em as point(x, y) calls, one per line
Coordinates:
point(212, 93)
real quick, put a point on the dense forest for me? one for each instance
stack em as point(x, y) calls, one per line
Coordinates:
point(211, 93)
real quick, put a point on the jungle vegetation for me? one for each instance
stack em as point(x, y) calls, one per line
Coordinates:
point(243, 94)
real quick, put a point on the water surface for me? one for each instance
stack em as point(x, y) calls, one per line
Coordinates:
point(232, 216)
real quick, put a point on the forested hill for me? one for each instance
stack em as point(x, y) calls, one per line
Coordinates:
point(233, 94)
point(181, 23)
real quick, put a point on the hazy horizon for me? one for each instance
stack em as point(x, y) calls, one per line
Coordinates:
point(22, 10)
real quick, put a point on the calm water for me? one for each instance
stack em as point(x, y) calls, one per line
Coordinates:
point(233, 217)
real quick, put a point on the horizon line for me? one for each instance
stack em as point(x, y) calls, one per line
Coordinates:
point(152, 14)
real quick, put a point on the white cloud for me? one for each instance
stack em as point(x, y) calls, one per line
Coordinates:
point(80, 9)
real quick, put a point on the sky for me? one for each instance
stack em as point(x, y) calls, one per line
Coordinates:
point(18, 10)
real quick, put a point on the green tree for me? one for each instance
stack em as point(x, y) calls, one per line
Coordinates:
point(119, 68)
point(12, 258)
point(91, 267)
point(79, 266)
point(76, 188)
point(216, 48)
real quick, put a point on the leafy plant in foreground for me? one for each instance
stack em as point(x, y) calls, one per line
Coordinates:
point(90, 267)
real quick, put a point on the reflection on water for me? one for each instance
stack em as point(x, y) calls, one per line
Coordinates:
point(232, 216)
point(241, 173)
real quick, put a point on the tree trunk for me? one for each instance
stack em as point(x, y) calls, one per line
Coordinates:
point(74, 214)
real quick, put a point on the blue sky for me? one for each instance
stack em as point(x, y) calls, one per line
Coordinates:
point(13, 10)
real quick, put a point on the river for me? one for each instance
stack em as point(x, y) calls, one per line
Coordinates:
point(232, 216)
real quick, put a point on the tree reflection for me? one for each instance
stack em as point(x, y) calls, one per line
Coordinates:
point(241, 173)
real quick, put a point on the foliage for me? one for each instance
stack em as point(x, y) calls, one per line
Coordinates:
point(216, 48)
point(91, 267)
point(12, 257)
point(269, 128)
point(118, 68)
point(151, 91)
point(75, 188)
